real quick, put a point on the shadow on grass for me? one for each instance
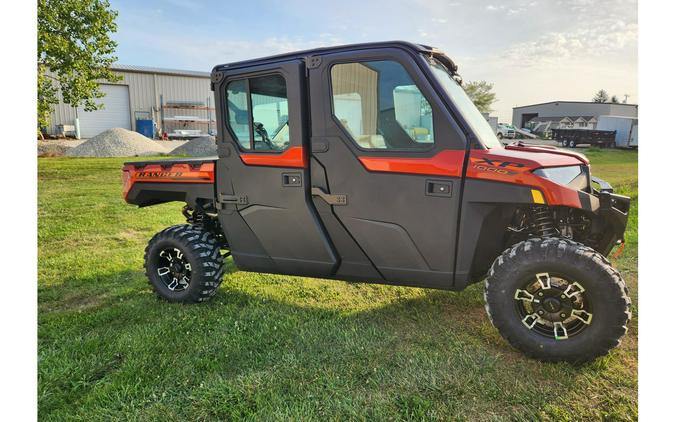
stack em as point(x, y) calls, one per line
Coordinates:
point(107, 340)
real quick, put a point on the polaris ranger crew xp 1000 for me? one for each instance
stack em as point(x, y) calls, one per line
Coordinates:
point(370, 163)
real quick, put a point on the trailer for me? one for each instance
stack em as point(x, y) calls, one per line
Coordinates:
point(633, 142)
point(626, 129)
point(525, 133)
point(573, 137)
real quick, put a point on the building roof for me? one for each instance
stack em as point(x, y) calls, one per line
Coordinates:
point(560, 118)
point(158, 70)
point(547, 119)
point(574, 102)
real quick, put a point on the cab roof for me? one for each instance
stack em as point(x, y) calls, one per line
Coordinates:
point(417, 48)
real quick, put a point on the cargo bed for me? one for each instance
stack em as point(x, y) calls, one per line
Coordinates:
point(189, 180)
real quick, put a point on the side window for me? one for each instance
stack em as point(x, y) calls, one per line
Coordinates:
point(380, 106)
point(238, 114)
point(268, 102)
point(270, 112)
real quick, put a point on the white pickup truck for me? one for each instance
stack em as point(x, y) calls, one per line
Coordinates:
point(505, 131)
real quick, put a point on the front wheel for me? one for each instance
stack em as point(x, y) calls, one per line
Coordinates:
point(557, 300)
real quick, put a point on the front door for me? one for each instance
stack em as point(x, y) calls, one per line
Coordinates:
point(386, 167)
point(262, 173)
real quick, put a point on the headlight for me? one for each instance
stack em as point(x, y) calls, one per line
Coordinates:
point(576, 177)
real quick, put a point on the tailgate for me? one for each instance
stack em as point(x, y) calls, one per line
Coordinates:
point(155, 182)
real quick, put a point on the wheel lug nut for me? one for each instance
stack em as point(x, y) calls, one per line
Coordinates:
point(541, 294)
point(563, 296)
point(541, 312)
point(563, 315)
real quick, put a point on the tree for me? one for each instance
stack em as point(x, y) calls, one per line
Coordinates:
point(74, 52)
point(614, 99)
point(601, 97)
point(481, 94)
point(46, 98)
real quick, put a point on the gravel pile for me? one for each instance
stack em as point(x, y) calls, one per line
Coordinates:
point(117, 142)
point(199, 147)
point(51, 149)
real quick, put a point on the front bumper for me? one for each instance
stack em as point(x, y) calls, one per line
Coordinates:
point(610, 211)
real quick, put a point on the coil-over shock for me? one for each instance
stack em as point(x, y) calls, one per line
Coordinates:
point(532, 221)
point(542, 220)
point(206, 221)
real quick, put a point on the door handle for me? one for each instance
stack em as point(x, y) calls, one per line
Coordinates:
point(328, 198)
point(291, 179)
point(439, 188)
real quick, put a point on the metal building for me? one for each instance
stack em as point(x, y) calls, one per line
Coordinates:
point(573, 110)
point(174, 99)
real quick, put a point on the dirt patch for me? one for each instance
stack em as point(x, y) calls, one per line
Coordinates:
point(51, 149)
point(129, 235)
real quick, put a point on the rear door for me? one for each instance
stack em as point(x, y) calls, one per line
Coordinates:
point(386, 165)
point(262, 172)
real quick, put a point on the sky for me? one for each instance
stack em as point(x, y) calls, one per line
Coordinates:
point(531, 50)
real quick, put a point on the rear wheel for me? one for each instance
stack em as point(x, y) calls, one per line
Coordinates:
point(573, 143)
point(183, 264)
point(499, 135)
point(557, 300)
point(565, 143)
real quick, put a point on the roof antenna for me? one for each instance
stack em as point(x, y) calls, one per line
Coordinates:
point(625, 98)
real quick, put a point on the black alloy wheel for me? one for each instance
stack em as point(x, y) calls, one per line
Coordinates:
point(553, 307)
point(173, 269)
point(555, 299)
point(184, 264)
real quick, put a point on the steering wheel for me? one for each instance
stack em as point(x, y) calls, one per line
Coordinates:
point(260, 130)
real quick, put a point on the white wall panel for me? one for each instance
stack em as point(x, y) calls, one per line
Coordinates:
point(144, 90)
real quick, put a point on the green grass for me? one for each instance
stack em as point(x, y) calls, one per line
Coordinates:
point(282, 348)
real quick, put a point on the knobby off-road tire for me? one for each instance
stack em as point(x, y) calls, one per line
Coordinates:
point(190, 249)
point(605, 297)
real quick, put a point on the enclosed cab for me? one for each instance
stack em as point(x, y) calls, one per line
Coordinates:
point(370, 163)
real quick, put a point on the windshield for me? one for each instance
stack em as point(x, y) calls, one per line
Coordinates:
point(481, 128)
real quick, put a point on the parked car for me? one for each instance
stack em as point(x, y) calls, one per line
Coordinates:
point(505, 131)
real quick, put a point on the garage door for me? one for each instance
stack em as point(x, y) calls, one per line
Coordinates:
point(115, 112)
